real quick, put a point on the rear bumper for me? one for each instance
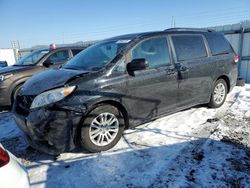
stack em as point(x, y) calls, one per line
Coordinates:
point(233, 76)
point(232, 84)
point(50, 131)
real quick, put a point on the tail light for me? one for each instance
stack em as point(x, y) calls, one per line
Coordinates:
point(4, 157)
point(236, 58)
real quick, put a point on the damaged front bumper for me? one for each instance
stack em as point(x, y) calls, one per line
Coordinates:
point(52, 131)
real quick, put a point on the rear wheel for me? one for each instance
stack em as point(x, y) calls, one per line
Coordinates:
point(219, 94)
point(102, 128)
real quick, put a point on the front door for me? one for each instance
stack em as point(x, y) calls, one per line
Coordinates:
point(58, 58)
point(152, 92)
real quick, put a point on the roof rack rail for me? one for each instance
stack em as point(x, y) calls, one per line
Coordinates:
point(188, 29)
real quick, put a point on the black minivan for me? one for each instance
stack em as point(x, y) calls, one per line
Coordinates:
point(122, 82)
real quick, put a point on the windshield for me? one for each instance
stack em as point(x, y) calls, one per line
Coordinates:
point(97, 56)
point(32, 58)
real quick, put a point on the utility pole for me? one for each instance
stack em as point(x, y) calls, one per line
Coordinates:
point(15, 46)
point(173, 22)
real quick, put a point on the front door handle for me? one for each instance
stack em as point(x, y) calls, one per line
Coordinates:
point(181, 68)
point(182, 71)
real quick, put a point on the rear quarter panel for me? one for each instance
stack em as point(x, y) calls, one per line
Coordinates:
point(225, 66)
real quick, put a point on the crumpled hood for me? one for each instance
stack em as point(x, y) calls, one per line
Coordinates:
point(47, 80)
point(12, 69)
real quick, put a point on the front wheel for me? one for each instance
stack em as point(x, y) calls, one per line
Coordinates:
point(102, 128)
point(219, 94)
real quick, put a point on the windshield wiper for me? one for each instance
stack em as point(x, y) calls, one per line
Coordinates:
point(71, 68)
point(96, 68)
point(23, 65)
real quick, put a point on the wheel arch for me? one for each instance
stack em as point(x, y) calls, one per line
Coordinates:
point(227, 80)
point(91, 105)
point(14, 90)
point(82, 137)
point(18, 82)
point(116, 104)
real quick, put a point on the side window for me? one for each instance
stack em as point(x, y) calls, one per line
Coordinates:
point(189, 47)
point(120, 68)
point(154, 50)
point(59, 57)
point(75, 51)
point(218, 44)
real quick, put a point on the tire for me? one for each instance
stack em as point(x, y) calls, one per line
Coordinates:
point(217, 100)
point(15, 93)
point(92, 125)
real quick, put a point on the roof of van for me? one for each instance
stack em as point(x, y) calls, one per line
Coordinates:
point(171, 30)
point(59, 48)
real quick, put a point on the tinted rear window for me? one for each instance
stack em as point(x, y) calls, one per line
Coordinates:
point(218, 44)
point(189, 47)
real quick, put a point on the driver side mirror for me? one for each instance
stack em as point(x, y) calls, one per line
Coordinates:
point(47, 63)
point(136, 65)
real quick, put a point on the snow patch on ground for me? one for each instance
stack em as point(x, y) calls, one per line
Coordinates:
point(198, 147)
point(241, 106)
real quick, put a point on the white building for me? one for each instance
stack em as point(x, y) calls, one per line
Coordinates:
point(8, 55)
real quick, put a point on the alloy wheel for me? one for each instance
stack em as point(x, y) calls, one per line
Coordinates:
point(103, 129)
point(219, 93)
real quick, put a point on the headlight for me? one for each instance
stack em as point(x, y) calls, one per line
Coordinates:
point(51, 96)
point(4, 77)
